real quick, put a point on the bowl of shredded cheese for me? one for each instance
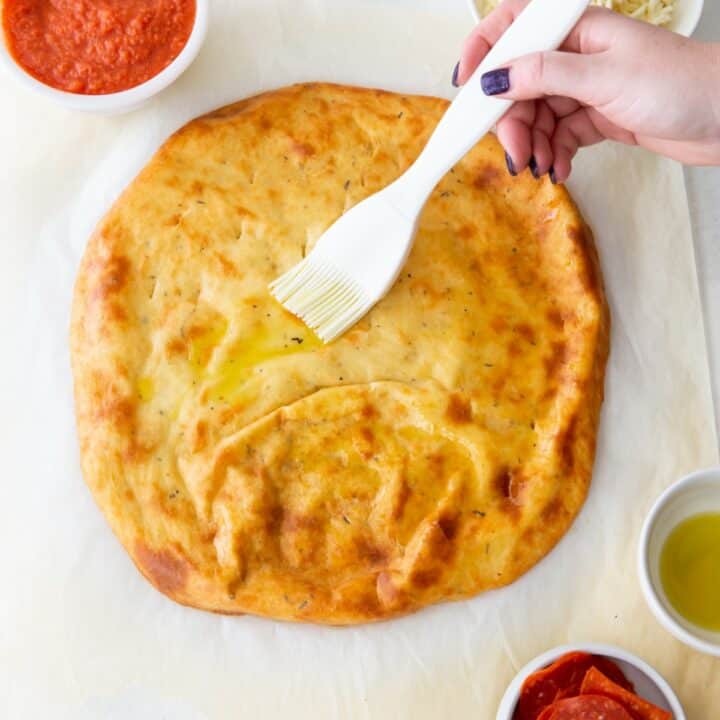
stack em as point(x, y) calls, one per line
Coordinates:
point(681, 16)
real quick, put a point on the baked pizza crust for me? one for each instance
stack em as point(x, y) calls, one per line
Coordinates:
point(437, 450)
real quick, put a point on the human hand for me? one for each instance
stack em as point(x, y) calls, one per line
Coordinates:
point(614, 78)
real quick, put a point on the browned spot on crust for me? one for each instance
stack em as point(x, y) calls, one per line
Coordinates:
point(302, 150)
point(229, 413)
point(417, 125)
point(360, 596)
point(566, 444)
point(173, 220)
point(226, 266)
point(497, 386)
point(369, 411)
point(555, 360)
point(582, 237)
point(174, 180)
point(197, 187)
point(137, 451)
point(116, 312)
point(235, 584)
point(502, 482)
point(177, 346)
point(488, 176)
point(208, 535)
point(459, 409)
point(199, 437)
point(370, 554)
point(368, 442)
point(165, 506)
point(426, 578)
point(555, 318)
point(403, 495)
point(436, 461)
point(510, 485)
point(114, 274)
point(196, 331)
point(164, 569)
point(244, 212)
point(439, 549)
point(466, 232)
point(449, 524)
point(274, 520)
point(499, 324)
point(513, 349)
point(294, 522)
point(117, 410)
point(576, 235)
point(553, 511)
point(526, 333)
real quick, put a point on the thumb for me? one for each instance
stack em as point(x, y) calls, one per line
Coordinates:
point(549, 73)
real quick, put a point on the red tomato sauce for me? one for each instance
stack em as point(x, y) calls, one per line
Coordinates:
point(94, 47)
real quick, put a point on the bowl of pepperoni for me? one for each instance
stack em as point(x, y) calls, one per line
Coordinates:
point(101, 56)
point(589, 682)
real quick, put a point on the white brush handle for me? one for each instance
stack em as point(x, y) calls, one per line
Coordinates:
point(542, 26)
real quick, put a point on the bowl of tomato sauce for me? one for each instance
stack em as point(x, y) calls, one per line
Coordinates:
point(589, 681)
point(102, 56)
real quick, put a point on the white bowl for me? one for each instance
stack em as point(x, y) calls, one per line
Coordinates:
point(696, 493)
point(687, 15)
point(125, 100)
point(649, 684)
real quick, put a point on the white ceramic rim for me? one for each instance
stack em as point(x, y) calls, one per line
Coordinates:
point(510, 698)
point(687, 28)
point(126, 99)
point(643, 563)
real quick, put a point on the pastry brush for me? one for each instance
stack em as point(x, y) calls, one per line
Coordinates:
point(357, 260)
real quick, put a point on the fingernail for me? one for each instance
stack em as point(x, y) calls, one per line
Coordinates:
point(553, 177)
point(455, 75)
point(534, 168)
point(496, 82)
point(510, 165)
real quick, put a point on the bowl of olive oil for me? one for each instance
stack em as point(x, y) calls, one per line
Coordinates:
point(679, 560)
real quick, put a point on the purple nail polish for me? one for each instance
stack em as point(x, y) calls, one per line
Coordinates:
point(496, 82)
point(455, 75)
point(534, 168)
point(553, 177)
point(510, 165)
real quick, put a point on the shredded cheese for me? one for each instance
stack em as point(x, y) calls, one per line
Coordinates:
point(657, 12)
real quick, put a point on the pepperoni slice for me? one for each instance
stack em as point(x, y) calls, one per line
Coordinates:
point(561, 680)
point(546, 713)
point(596, 683)
point(610, 670)
point(587, 707)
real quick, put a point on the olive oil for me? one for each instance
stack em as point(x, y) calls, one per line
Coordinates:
point(250, 352)
point(203, 345)
point(227, 364)
point(146, 388)
point(690, 570)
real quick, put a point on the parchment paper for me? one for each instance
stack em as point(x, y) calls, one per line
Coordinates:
point(83, 636)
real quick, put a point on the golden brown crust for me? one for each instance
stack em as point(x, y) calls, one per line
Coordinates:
point(439, 449)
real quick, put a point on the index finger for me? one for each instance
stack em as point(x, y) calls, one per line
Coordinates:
point(592, 34)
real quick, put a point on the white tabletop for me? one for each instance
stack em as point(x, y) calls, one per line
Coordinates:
point(703, 186)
